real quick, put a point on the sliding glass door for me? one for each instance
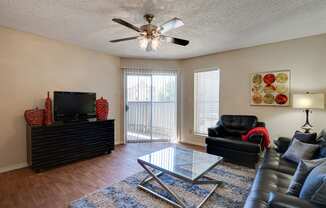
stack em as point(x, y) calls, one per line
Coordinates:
point(151, 106)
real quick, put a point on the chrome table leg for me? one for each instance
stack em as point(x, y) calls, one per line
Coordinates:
point(179, 202)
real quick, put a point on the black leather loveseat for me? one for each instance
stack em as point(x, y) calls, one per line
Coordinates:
point(273, 178)
point(225, 139)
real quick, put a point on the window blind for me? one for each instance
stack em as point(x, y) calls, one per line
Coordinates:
point(206, 102)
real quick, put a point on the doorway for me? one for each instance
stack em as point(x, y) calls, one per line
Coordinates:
point(150, 106)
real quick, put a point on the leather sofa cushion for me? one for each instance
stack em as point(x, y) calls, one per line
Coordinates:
point(237, 124)
point(266, 181)
point(234, 144)
point(239, 121)
point(233, 132)
point(282, 144)
point(254, 201)
point(233, 137)
point(273, 160)
point(277, 200)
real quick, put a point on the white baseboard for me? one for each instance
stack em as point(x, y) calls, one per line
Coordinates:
point(13, 167)
point(198, 143)
point(118, 142)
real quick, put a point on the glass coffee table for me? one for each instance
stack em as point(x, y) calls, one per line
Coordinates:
point(185, 164)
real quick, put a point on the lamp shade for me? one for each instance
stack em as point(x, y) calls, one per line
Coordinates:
point(308, 101)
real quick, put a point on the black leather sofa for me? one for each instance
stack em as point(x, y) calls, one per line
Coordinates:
point(225, 139)
point(272, 180)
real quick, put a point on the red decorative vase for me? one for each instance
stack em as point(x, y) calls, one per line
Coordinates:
point(102, 109)
point(34, 117)
point(48, 118)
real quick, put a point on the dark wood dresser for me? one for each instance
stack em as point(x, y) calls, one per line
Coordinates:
point(62, 143)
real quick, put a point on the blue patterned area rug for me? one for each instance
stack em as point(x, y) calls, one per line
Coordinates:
point(125, 194)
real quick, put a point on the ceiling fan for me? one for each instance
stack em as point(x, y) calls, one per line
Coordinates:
point(150, 36)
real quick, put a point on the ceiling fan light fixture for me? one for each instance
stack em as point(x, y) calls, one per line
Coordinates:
point(149, 35)
point(149, 44)
point(155, 43)
point(143, 42)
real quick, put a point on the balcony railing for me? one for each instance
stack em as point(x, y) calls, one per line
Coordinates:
point(151, 121)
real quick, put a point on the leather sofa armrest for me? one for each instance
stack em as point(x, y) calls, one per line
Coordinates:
point(276, 200)
point(214, 131)
point(233, 144)
point(283, 144)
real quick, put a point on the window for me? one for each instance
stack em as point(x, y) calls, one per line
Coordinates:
point(206, 102)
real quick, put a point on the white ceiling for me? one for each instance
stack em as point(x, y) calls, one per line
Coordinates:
point(210, 25)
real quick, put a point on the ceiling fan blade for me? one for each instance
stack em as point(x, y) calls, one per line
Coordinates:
point(177, 41)
point(171, 24)
point(127, 24)
point(123, 39)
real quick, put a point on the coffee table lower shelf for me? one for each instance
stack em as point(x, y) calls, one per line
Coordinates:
point(179, 201)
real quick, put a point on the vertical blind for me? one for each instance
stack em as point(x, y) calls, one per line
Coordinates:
point(206, 102)
point(151, 98)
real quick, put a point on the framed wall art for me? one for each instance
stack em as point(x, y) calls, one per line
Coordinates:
point(270, 88)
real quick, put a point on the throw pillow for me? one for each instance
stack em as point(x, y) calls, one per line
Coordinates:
point(305, 137)
point(322, 135)
point(299, 177)
point(314, 187)
point(319, 196)
point(322, 150)
point(300, 151)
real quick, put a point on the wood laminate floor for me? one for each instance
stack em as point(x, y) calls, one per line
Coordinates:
point(59, 186)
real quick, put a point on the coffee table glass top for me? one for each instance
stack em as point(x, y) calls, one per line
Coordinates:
point(181, 162)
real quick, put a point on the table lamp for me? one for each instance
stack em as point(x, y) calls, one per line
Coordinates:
point(307, 102)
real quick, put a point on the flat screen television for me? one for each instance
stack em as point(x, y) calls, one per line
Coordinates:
point(74, 106)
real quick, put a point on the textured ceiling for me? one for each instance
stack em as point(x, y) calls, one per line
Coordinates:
point(210, 25)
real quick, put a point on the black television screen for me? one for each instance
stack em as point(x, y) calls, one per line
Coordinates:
point(74, 105)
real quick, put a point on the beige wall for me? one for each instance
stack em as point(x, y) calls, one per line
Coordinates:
point(305, 58)
point(30, 66)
